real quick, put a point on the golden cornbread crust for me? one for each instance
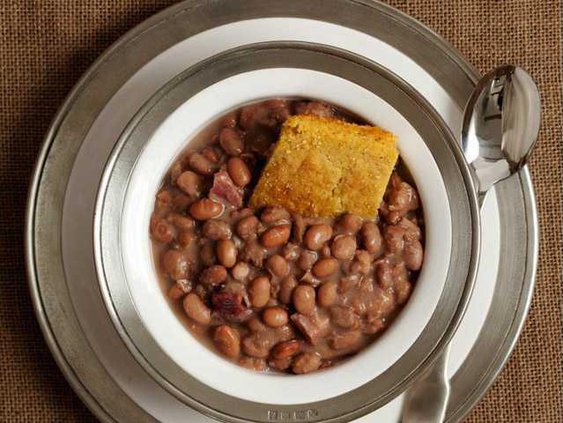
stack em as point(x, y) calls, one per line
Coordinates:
point(326, 167)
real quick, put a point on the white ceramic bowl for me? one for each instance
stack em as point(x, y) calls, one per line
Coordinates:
point(155, 160)
point(125, 260)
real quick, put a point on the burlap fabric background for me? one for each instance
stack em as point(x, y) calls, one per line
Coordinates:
point(46, 45)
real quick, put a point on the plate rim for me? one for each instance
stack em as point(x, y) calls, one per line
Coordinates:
point(406, 21)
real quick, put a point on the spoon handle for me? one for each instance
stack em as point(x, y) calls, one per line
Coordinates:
point(426, 401)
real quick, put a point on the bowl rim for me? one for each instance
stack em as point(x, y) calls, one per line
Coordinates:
point(472, 238)
point(196, 118)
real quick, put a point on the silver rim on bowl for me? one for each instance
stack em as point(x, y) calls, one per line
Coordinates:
point(446, 153)
point(54, 304)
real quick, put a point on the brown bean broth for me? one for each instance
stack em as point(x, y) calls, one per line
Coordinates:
point(346, 318)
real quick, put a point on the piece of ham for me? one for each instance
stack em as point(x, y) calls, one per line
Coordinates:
point(313, 327)
point(230, 306)
point(225, 190)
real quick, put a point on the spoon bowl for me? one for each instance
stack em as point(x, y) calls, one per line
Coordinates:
point(501, 124)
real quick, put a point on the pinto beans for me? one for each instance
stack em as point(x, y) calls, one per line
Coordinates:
point(211, 154)
point(186, 238)
point(226, 252)
point(258, 344)
point(347, 341)
point(196, 309)
point(328, 294)
point(275, 317)
point(361, 263)
point(277, 266)
point(232, 141)
point(280, 364)
point(213, 275)
point(412, 230)
point(272, 289)
point(246, 227)
point(345, 317)
point(307, 259)
point(413, 255)
point(306, 363)
point(304, 299)
point(179, 289)
point(274, 214)
point(343, 247)
point(201, 164)
point(254, 324)
point(190, 182)
point(317, 235)
point(276, 236)
point(216, 230)
point(403, 290)
point(162, 231)
point(325, 267)
point(403, 198)
point(253, 252)
point(227, 341)
point(175, 264)
point(206, 209)
point(389, 272)
point(291, 252)
point(371, 237)
point(240, 271)
point(253, 363)
point(349, 224)
point(181, 201)
point(183, 223)
point(286, 349)
point(163, 202)
point(238, 171)
point(287, 285)
point(259, 291)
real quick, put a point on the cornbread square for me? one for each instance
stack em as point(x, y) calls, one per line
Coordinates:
point(325, 167)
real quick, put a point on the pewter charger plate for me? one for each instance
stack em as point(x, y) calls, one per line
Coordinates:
point(60, 213)
point(374, 391)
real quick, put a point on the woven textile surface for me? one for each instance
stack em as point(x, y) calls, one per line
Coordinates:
point(46, 45)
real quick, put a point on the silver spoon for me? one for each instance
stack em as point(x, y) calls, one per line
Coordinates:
point(500, 128)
